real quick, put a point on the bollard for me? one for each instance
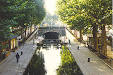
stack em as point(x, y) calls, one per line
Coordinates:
point(88, 59)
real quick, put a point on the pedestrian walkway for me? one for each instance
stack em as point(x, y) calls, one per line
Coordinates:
point(9, 66)
point(95, 67)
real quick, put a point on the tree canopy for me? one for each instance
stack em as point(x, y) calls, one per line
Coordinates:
point(88, 15)
point(19, 13)
point(97, 11)
point(72, 13)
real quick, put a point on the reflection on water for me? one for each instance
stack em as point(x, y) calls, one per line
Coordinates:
point(52, 59)
point(36, 65)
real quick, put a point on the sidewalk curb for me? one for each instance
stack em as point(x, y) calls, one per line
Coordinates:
point(102, 61)
point(107, 65)
point(32, 35)
point(3, 60)
point(75, 59)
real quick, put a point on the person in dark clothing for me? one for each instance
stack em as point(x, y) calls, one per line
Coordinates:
point(78, 47)
point(17, 57)
point(21, 52)
point(69, 42)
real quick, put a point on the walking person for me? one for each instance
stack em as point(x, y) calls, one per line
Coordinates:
point(78, 47)
point(69, 42)
point(21, 52)
point(17, 57)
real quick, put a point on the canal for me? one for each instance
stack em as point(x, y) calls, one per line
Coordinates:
point(52, 59)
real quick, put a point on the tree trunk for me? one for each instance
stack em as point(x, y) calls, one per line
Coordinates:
point(104, 41)
point(25, 32)
point(22, 34)
point(30, 29)
point(95, 38)
point(81, 37)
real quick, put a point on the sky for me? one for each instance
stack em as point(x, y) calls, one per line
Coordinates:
point(50, 6)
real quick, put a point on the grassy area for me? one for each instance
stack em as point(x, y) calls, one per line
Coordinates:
point(68, 65)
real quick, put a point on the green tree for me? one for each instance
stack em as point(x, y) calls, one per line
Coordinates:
point(80, 24)
point(19, 13)
point(5, 19)
point(72, 13)
point(100, 12)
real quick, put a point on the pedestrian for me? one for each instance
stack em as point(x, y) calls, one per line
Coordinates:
point(21, 52)
point(69, 42)
point(78, 47)
point(17, 57)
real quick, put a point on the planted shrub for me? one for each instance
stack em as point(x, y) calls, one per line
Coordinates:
point(68, 65)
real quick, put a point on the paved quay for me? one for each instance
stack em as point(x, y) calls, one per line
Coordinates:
point(9, 66)
point(95, 67)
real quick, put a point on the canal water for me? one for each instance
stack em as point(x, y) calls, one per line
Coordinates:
point(52, 59)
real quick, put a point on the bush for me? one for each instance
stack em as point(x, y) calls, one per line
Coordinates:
point(68, 64)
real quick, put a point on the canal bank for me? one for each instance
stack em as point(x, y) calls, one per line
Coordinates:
point(10, 66)
point(36, 65)
point(81, 55)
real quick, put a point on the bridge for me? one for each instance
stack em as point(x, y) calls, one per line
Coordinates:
point(52, 34)
point(56, 30)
